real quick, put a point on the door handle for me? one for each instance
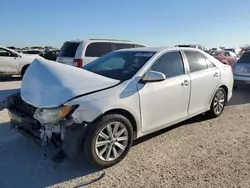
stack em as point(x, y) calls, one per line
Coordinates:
point(216, 74)
point(185, 83)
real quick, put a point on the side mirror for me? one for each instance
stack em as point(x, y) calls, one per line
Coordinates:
point(153, 76)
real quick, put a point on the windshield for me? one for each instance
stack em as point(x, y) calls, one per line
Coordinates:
point(245, 57)
point(119, 65)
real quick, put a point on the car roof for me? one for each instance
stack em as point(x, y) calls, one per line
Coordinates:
point(160, 49)
point(102, 40)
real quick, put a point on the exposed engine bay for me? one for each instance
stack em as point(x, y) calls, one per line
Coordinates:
point(64, 134)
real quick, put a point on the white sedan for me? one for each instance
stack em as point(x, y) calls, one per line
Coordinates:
point(14, 63)
point(116, 99)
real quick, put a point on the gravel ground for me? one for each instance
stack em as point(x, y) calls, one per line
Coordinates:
point(197, 153)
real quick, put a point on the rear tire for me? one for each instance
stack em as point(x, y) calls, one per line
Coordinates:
point(108, 140)
point(218, 103)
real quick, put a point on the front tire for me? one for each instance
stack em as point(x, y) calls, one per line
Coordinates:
point(108, 140)
point(218, 103)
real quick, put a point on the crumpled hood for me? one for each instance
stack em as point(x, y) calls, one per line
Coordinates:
point(49, 84)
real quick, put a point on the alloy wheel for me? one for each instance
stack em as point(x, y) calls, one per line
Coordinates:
point(111, 141)
point(219, 102)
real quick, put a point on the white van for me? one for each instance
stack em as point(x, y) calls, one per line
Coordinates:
point(79, 53)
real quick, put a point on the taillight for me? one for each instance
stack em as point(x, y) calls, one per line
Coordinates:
point(78, 63)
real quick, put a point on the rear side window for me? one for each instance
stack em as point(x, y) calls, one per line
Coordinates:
point(97, 49)
point(245, 57)
point(196, 61)
point(69, 49)
point(119, 46)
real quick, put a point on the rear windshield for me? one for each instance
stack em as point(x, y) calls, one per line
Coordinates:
point(245, 57)
point(119, 65)
point(69, 49)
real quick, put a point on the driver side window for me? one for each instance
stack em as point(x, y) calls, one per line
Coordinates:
point(6, 53)
point(170, 64)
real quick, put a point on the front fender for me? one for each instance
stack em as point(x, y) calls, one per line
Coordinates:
point(88, 111)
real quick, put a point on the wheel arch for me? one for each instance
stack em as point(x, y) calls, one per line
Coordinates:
point(24, 68)
point(126, 114)
point(221, 86)
point(225, 88)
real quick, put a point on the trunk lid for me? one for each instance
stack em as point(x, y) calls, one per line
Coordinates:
point(48, 84)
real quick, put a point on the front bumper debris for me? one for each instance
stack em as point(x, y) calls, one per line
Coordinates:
point(64, 136)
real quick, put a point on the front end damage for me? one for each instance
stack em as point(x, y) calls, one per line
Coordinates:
point(61, 132)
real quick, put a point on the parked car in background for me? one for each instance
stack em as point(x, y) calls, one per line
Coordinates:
point(235, 50)
point(51, 54)
point(121, 96)
point(14, 63)
point(242, 69)
point(226, 57)
point(213, 49)
point(34, 51)
point(79, 53)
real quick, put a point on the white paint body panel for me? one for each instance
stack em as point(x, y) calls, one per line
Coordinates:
point(153, 105)
point(204, 84)
point(164, 102)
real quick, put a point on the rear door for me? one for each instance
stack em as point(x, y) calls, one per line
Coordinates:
point(67, 53)
point(204, 77)
point(95, 50)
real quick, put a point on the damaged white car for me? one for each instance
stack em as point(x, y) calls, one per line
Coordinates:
point(117, 98)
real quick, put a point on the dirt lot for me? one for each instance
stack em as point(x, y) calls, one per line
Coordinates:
point(198, 153)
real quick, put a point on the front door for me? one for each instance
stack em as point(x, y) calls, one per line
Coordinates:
point(204, 81)
point(166, 102)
